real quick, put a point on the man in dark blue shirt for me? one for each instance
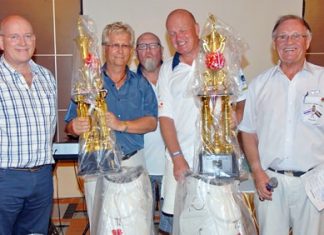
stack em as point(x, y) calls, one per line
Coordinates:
point(130, 99)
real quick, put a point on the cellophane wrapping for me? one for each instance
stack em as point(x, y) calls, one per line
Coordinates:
point(205, 206)
point(208, 201)
point(98, 152)
point(217, 86)
point(123, 203)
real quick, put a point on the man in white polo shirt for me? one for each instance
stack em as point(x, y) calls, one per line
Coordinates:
point(178, 112)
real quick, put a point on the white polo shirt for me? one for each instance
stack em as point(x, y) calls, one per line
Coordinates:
point(154, 149)
point(176, 101)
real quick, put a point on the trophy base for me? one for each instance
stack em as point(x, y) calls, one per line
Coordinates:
point(101, 161)
point(218, 165)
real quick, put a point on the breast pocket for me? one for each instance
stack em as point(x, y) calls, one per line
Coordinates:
point(312, 109)
point(46, 104)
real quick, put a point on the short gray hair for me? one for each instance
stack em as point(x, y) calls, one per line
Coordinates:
point(117, 27)
point(291, 17)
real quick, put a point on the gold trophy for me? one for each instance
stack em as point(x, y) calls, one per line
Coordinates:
point(216, 157)
point(96, 145)
point(208, 201)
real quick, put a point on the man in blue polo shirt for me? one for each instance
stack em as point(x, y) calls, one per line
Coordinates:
point(131, 102)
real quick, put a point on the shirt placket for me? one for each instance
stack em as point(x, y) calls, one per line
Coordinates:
point(290, 119)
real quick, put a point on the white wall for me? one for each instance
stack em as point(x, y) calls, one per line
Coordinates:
point(252, 19)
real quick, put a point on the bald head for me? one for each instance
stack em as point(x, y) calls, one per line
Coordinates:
point(149, 53)
point(14, 21)
point(147, 35)
point(181, 13)
point(17, 40)
point(183, 31)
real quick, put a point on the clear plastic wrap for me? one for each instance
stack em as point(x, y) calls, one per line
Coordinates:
point(218, 63)
point(97, 151)
point(217, 86)
point(208, 201)
point(207, 206)
point(123, 203)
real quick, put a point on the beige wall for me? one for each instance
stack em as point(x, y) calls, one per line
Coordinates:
point(314, 15)
point(252, 19)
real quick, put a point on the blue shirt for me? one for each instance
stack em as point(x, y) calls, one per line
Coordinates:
point(27, 116)
point(135, 99)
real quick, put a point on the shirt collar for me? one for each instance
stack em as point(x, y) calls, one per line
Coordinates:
point(139, 70)
point(176, 60)
point(103, 70)
point(11, 69)
point(306, 67)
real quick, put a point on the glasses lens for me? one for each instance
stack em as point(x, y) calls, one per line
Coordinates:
point(144, 46)
point(154, 45)
point(294, 37)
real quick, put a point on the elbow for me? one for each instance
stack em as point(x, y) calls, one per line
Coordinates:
point(154, 124)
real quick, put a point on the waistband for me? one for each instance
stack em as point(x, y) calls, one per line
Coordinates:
point(29, 169)
point(129, 155)
point(289, 173)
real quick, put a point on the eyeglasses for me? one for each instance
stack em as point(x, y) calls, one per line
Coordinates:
point(144, 46)
point(294, 37)
point(117, 46)
point(15, 38)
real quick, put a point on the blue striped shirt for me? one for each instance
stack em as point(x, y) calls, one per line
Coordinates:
point(27, 117)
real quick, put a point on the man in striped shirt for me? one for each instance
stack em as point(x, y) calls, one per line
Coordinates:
point(27, 127)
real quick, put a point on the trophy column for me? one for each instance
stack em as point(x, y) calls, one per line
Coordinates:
point(216, 156)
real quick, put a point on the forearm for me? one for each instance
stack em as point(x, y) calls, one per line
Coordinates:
point(141, 125)
point(239, 110)
point(250, 147)
point(261, 179)
point(169, 134)
point(69, 129)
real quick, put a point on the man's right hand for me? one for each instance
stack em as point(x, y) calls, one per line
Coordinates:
point(261, 180)
point(80, 125)
point(180, 167)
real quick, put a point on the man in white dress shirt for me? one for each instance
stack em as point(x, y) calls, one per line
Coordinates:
point(283, 131)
